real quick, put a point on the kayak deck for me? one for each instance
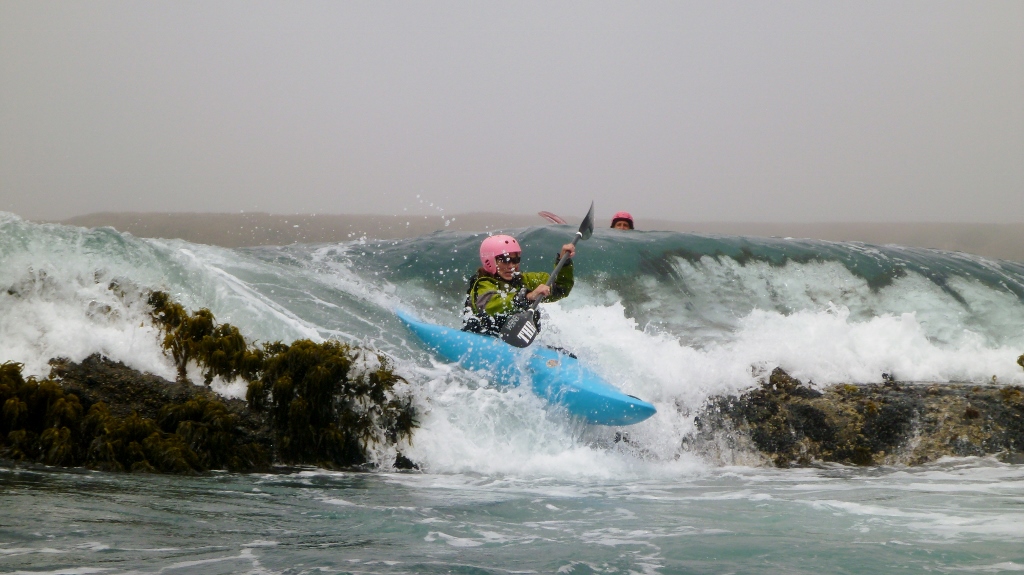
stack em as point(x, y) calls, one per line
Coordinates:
point(560, 379)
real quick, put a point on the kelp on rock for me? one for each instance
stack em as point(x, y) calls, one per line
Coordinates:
point(307, 403)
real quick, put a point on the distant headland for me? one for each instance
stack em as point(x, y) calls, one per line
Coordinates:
point(1001, 241)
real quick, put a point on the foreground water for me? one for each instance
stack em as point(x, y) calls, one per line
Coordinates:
point(506, 483)
point(956, 516)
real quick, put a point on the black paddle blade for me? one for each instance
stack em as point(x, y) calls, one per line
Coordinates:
point(521, 329)
point(587, 227)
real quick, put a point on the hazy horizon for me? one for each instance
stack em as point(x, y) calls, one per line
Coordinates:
point(796, 111)
point(573, 218)
point(1001, 241)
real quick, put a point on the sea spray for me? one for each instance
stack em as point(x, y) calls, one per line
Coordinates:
point(672, 318)
point(504, 479)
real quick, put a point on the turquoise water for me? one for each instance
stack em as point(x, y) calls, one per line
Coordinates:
point(958, 516)
point(508, 484)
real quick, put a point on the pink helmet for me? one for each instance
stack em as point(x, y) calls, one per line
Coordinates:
point(496, 246)
point(622, 216)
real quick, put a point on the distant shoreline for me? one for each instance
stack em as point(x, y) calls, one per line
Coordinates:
point(1000, 241)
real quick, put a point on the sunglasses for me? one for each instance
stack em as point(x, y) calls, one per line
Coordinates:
point(507, 259)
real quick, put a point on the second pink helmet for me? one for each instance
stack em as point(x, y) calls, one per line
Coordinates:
point(622, 216)
point(496, 246)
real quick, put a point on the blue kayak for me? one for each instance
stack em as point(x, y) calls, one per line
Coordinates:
point(556, 377)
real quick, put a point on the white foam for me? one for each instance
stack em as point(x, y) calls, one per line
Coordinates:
point(946, 524)
point(338, 501)
point(1004, 567)
point(484, 430)
point(452, 540)
point(719, 328)
point(826, 346)
point(66, 571)
point(466, 428)
point(706, 300)
point(53, 313)
point(56, 301)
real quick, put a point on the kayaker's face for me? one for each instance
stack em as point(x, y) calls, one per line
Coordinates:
point(622, 225)
point(508, 265)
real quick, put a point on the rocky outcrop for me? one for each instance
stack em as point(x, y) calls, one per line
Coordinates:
point(787, 423)
point(329, 404)
point(104, 415)
point(125, 390)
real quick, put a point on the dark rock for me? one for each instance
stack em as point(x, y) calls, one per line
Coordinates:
point(103, 415)
point(887, 425)
point(126, 390)
point(789, 423)
point(305, 404)
point(404, 463)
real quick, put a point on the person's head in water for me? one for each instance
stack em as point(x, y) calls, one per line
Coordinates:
point(622, 221)
point(500, 256)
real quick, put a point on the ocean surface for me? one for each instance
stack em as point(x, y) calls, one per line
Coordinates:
point(507, 484)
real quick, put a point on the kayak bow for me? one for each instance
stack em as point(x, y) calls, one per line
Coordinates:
point(561, 379)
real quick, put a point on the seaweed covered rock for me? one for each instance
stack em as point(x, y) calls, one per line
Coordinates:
point(154, 426)
point(220, 350)
point(322, 411)
point(328, 404)
point(790, 424)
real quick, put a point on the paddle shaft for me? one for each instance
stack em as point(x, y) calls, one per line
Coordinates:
point(521, 329)
point(558, 268)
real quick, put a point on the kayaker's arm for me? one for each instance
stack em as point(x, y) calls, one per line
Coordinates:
point(563, 283)
point(559, 289)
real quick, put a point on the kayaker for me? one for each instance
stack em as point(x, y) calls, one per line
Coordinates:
point(622, 221)
point(499, 289)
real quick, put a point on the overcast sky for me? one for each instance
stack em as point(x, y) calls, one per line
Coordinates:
point(692, 111)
